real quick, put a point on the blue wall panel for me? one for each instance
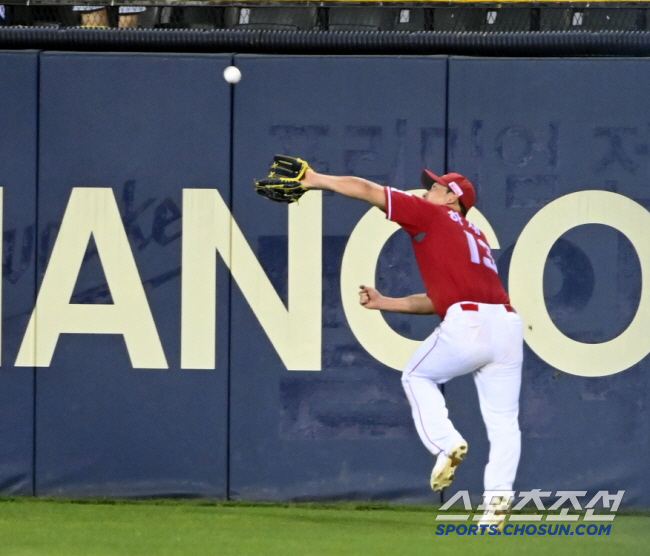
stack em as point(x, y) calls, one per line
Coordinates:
point(346, 431)
point(18, 158)
point(146, 126)
point(529, 132)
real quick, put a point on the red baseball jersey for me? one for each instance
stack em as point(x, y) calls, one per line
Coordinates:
point(453, 255)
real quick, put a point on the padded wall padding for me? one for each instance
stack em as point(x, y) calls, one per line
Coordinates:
point(344, 431)
point(145, 126)
point(18, 163)
point(537, 135)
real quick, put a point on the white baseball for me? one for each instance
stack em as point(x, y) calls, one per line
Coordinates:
point(232, 74)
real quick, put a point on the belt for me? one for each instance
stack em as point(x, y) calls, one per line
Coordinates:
point(474, 307)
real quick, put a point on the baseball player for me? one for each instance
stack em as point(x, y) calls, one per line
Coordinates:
point(480, 332)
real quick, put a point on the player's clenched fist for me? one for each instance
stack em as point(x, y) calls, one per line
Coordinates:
point(370, 298)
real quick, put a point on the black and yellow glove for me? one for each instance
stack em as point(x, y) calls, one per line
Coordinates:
point(283, 184)
point(288, 167)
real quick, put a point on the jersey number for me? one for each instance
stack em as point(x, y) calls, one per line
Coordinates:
point(475, 255)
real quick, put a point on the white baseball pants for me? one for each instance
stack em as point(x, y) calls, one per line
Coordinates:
point(486, 340)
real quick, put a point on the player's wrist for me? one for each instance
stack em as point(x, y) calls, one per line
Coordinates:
point(382, 303)
point(310, 179)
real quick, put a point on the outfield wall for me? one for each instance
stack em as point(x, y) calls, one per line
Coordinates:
point(131, 368)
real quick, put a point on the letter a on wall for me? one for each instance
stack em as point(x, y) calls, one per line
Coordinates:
point(92, 212)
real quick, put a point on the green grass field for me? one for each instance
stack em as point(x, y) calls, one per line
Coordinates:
point(43, 528)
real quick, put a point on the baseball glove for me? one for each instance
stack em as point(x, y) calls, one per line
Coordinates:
point(283, 184)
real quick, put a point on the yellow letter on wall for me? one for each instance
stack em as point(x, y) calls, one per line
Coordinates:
point(92, 211)
point(208, 228)
point(527, 282)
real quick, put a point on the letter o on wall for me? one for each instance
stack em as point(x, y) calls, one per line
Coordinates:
point(526, 283)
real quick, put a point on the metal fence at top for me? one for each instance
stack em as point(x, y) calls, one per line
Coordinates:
point(477, 16)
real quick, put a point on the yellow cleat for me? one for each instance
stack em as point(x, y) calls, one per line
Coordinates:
point(496, 513)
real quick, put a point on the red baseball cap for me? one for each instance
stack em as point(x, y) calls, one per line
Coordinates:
point(459, 184)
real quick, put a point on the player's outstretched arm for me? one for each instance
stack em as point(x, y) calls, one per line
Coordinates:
point(417, 304)
point(350, 186)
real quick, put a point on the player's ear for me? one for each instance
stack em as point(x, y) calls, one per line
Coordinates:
point(453, 201)
point(452, 197)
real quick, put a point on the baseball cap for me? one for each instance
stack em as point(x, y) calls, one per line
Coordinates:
point(458, 183)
